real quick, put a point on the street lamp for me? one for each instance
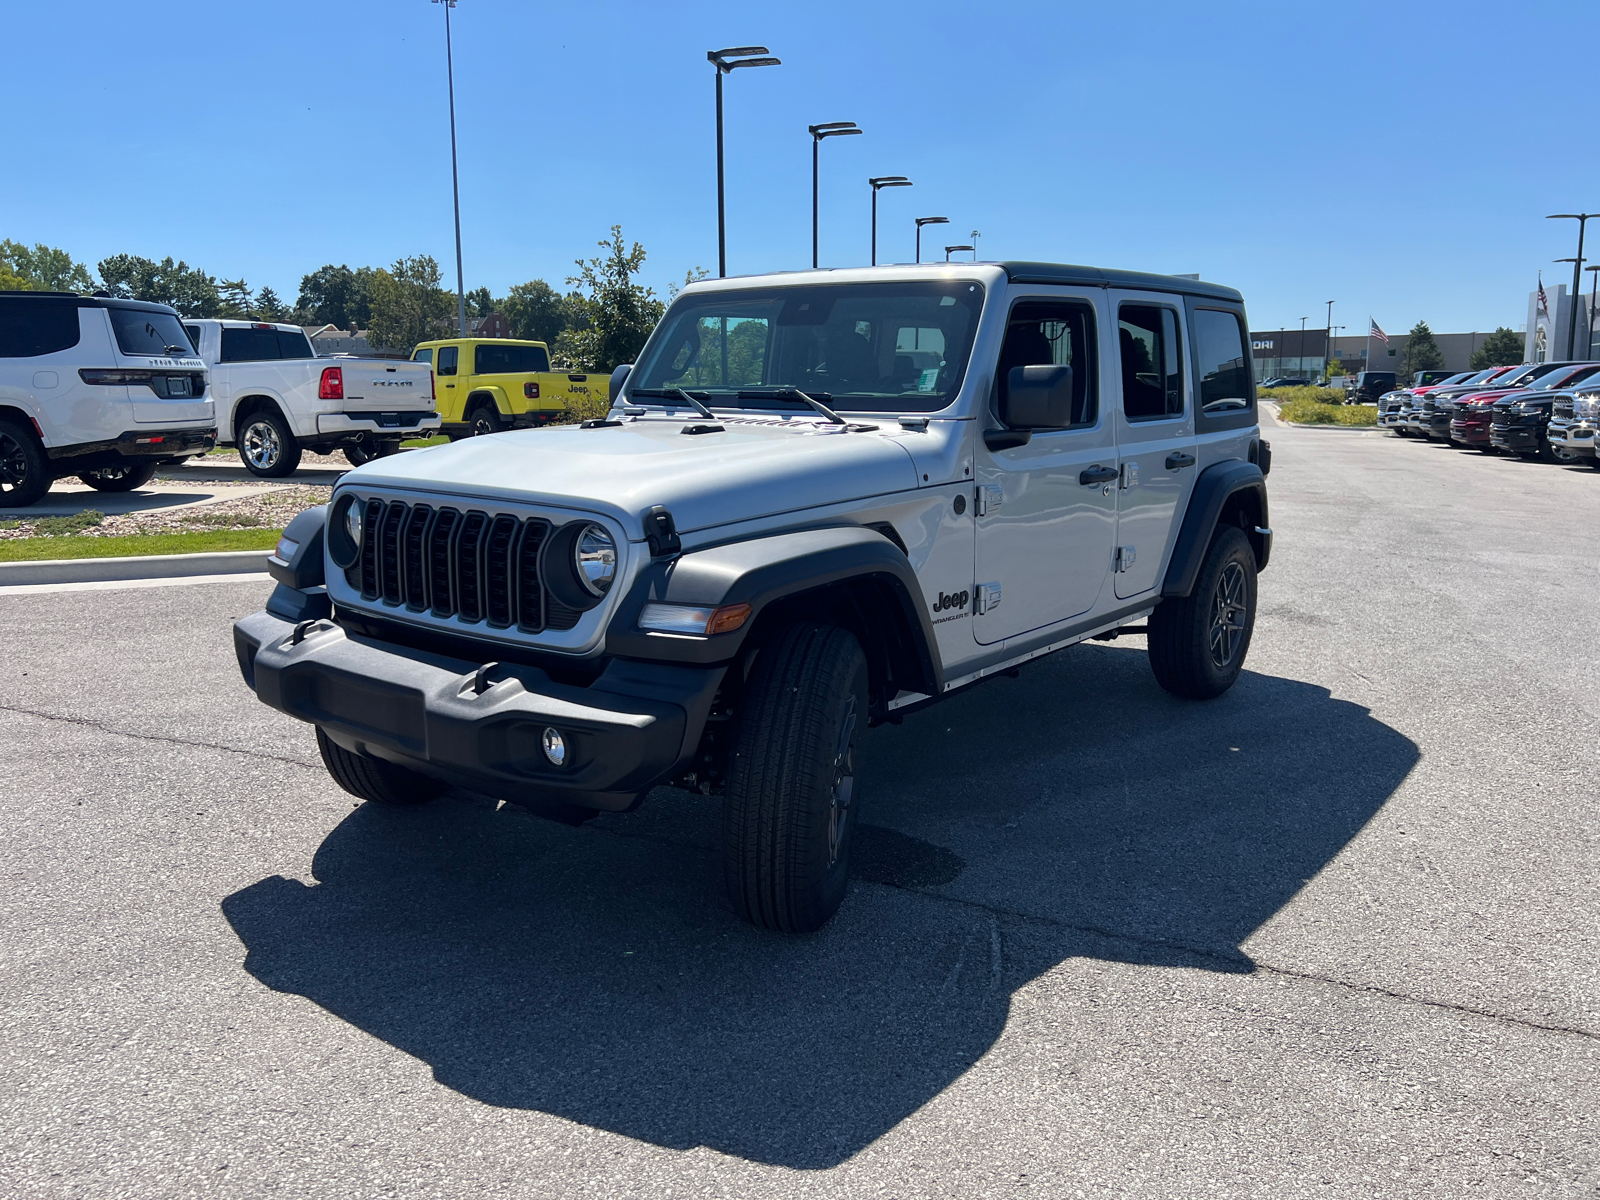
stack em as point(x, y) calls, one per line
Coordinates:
point(1327, 348)
point(1594, 295)
point(726, 61)
point(818, 132)
point(974, 235)
point(921, 221)
point(1577, 273)
point(948, 250)
point(882, 181)
point(455, 182)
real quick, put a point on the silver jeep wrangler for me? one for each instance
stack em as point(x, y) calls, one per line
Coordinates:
point(819, 501)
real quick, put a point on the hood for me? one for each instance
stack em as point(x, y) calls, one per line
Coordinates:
point(757, 467)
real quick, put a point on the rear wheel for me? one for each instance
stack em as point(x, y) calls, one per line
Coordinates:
point(373, 778)
point(268, 448)
point(789, 814)
point(485, 419)
point(24, 471)
point(361, 452)
point(119, 478)
point(1198, 643)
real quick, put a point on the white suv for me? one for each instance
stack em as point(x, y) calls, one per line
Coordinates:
point(100, 388)
point(820, 501)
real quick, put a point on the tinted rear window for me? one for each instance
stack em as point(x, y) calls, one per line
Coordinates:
point(152, 334)
point(1224, 362)
point(262, 345)
point(509, 360)
point(31, 327)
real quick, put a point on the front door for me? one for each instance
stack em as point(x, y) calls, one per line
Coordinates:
point(1047, 510)
point(1155, 439)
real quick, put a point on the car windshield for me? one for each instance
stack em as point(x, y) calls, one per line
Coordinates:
point(151, 334)
point(874, 347)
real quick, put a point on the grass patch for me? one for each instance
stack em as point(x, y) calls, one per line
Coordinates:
point(1310, 412)
point(36, 548)
point(74, 523)
point(1318, 395)
point(437, 439)
point(223, 520)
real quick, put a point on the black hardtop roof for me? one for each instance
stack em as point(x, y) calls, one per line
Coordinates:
point(95, 301)
point(1040, 272)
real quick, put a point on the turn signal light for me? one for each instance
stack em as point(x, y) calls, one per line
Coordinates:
point(693, 619)
point(332, 385)
point(531, 390)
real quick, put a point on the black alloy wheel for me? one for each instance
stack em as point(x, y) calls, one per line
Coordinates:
point(122, 478)
point(1198, 642)
point(485, 419)
point(24, 471)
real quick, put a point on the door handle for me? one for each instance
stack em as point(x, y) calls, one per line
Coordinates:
point(1177, 460)
point(1097, 474)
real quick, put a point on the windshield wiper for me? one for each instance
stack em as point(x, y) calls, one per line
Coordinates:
point(178, 351)
point(673, 394)
point(783, 393)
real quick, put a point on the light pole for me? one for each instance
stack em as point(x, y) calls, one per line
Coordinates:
point(974, 235)
point(726, 61)
point(948, 250)
point(455, 182)
point(818, 132)
point(1594, 295)
point(882, 181)
point(1577, 273)
point(1327, 346)
point(921, 221)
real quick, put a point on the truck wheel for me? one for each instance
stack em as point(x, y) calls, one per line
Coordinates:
point(1198, 643)
point(119, 479)
point(24, 473)
point(267, 447)
point(372, 778)
point(790, 810)
point(485, 418)
point(357, 453)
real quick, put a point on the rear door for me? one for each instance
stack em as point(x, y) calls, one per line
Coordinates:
point(157, 342)
point(1047, 511)
point(1157, 451)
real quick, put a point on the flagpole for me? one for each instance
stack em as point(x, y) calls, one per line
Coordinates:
point(1369, 341)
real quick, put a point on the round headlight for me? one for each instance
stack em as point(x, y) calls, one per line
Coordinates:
point(354, 518)
point(344, 530)
point(595, 556)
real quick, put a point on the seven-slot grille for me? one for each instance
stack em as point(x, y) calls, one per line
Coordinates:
point(1564, 409)
point(469, 566)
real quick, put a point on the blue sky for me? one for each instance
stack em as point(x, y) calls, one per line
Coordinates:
point(1398, 158)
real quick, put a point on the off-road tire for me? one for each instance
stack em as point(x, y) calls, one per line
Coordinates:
point(266, 446)
point(24, 470)
point(119, 479)
point(789, 813)
point(1185, 633)
point(372, 778)
point(484, 418)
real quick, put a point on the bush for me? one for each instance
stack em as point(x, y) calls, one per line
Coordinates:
point(1288, 395)
point(1310, 412)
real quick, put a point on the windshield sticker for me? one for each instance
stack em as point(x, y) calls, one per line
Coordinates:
point(929, 380)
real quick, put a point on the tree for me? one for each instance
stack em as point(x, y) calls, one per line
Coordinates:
point(617, 314)
point(1422, 352)
point(338, 296)
point(42, 268)
point(408, 306)
point(189, 290)
point(1335, 367)
point(536, 312)
point(236, 298)
point(269, 307)
point(1502, 348)
point(480, 303)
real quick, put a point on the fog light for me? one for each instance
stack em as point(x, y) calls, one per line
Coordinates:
point(555, 747)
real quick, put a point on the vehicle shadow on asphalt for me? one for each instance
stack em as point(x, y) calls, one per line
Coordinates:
point(597, 973)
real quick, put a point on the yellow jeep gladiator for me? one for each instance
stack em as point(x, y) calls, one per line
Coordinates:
point(485, 385)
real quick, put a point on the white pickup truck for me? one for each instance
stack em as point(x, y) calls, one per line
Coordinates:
point(275, 398)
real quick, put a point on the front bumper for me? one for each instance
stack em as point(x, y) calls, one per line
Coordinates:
point(1575, 437)
point(1519, 439)
point(379, 424)
point(1470, 433)
point(635, 726)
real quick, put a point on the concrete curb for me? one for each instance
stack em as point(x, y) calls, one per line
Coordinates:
point(140, 566)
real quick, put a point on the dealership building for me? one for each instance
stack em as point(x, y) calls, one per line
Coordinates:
point(1301, 353)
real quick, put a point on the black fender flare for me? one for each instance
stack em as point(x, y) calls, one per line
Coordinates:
point(1212, 490)
point(760, 572)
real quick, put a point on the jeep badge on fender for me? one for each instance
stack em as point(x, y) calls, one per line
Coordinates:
point(746, 545)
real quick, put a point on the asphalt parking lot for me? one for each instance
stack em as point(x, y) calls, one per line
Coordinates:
point(1334, 934)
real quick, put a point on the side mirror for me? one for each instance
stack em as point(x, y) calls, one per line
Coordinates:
point(1038, 398)
point(619, 376)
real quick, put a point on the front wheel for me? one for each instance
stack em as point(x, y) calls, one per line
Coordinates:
point(268, 448)
point(373, 778)
point(24, 470)
point(119, 479)
point(790, 809)
point(1198, 643)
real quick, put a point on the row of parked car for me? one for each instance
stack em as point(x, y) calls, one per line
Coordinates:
point(110, 390)
point(1535, 410)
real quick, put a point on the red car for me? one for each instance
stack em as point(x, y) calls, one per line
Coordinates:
point(1471, 413)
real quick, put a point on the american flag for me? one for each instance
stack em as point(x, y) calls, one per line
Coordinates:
point(1544, 304)
point(1377, 333)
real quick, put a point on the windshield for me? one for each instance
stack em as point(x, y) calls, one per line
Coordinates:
point(865, 347)
point(153, 334)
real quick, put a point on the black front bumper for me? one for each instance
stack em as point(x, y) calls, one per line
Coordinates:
point(635, 726)
point(1518, 439)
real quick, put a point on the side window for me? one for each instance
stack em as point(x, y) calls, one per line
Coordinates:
point(29, 327)
point(1224, 361)
point(250, 345)
point(1042, 333)
point(423, 356)
point(294, 344)
point(491, 360)
point(194, 336)
point(1152, 370)
point(448, 356)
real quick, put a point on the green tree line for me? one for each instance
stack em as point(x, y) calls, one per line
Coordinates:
point(601, 320)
